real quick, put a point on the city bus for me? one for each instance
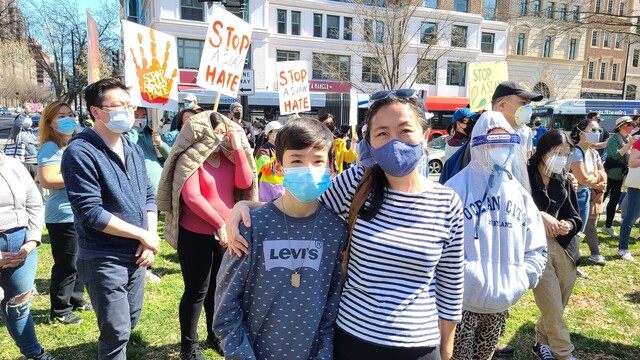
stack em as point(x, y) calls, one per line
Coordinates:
point(564, 114)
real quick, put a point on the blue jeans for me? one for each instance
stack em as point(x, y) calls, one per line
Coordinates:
point(116, 290)
point(584, 199)
point(18, 281)
point(631, 216)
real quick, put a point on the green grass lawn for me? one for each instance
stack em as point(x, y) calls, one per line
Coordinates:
point(603, 315)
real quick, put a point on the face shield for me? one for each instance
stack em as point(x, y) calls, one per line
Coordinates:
point(556, 162)
point(495, 152)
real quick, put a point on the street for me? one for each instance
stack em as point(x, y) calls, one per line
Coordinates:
point(5, 127)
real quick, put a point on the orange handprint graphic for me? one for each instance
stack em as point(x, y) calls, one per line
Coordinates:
point(155, 85)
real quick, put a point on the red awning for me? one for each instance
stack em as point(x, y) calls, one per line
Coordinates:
point(189, 87)
point(445, 103)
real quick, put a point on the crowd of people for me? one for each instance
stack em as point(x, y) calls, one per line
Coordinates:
point(304, 240)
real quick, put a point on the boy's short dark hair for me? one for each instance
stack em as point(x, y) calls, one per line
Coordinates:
point(302, 133)
point(94, 93)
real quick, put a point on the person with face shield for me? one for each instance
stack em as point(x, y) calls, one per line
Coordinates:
point(209, 164)
point(504, 242)
point(554, 196)
point(270, 184)
point(588, 170)
point(463, 121)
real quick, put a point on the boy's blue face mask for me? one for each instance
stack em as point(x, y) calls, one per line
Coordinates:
point(306, 183)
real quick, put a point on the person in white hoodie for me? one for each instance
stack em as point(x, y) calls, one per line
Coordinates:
point(504, 237)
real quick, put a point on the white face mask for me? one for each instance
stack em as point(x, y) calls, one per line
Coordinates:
point(556, 164)
point(592, 137)
point(500, 154)
point(523, 114)
point(120, 121)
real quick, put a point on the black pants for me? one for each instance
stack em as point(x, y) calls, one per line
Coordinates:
point(614, 188)
point(66, 290)
point(200, 256)
point(347, 347)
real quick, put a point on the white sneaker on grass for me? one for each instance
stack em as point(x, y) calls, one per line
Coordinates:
point(626, 255)
point(598, 259)
point(610, 231)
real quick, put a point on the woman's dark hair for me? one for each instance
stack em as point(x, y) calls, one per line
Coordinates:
point(180, 121)
point(548, 141)
point(215, 119)
point(379, 183)
point(325, 116)
point(578, 128)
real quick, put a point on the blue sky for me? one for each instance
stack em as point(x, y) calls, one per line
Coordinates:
point(90, 4)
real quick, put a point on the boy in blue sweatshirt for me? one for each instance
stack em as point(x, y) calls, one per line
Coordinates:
point(115, 214)
point(281, 300)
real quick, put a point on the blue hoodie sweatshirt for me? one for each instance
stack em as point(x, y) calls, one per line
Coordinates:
point(100, 186)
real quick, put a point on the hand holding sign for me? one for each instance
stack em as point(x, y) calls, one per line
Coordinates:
point(155, 85)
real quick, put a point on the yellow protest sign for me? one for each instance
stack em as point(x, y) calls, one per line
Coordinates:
point(483, 80)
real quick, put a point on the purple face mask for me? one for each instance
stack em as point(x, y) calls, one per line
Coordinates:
point(397, 158)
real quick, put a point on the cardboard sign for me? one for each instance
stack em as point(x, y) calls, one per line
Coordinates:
point(293, 86)
point(93, 61)
point(152, 80)
point(483, 80)
point(225, 49)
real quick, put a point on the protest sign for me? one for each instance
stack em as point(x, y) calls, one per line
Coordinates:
point(483, 80)
point(153, 84)
point(224, 53)
point(293, 86)
point(93, 61)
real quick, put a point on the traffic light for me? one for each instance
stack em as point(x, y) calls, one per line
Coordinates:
point(115, 59)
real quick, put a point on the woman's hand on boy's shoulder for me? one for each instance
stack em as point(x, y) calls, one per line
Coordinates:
point(235, 241)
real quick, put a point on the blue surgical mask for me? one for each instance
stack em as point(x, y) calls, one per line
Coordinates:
point(187, 105)
point(66, 125)
point(120, 121)
point(306, 183)
point(397, 158)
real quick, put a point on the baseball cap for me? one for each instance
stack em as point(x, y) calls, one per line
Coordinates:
point(191, 97)
point(464, 113)
point(511, 88)
point(235, 105)
point(272, 125)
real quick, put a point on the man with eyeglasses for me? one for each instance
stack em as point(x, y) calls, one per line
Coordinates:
point(115, 214)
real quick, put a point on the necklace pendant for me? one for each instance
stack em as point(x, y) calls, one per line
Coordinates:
point(295, 280)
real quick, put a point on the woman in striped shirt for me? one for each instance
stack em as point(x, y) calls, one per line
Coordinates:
point(403, 296)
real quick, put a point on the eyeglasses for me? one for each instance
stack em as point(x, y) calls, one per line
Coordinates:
point(129, 107)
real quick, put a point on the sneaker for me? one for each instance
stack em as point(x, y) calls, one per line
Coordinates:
point(626, 255)
point(573, 358)
point(581, 274)
point(43, 356)
point(193, 353)
point(151, 277)
point(610, 231)
point(214, 343)
point(67, 319)
point(543, 352)
point(598, 259)
point(504, 350)
point(84, 307)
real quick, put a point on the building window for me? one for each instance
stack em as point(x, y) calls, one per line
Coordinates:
point(576, 13)
point(605, 39)
point(523, 7)
point(284, 55)
point(487, 41)
point(614, 72)
point(370, 71)
point(618, 41)
point(542, 88)
point(189, 53)
point(594, 38)
point(426, 72)
point(536, 7)
point(598, 6)
point(368, 29)
point(490, 9)
point(428, 33)
point(317, 25)
point(347, 25)
point(191, 10)
point(630, 94)
point(379, 31)
point(331, 67)
point(550, 10)
point(461, 5)
point(572, 49)
point(282, 21)
point(636, 56)
point(520, 46)
point(547, 47)
point(459, 36)
point(610, 7)
point(603, 71)
point(562, 12)
point(590, 70)
point(295, 23)
point(622, 9)
point(333, 27)
point(433, 4)
point(456, 73)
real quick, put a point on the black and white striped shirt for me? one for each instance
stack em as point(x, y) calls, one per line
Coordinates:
point(405, 267)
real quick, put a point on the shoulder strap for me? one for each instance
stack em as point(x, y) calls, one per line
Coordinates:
point(359, 198)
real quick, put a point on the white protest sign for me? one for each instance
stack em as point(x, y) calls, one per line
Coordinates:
point(224, 52)
point(293, 86)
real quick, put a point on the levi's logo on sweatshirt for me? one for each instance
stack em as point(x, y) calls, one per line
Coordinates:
point(292, 254)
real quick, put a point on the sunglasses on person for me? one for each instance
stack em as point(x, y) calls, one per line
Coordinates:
point(409, 94)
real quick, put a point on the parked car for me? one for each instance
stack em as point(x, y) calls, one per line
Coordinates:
point(436, 154)
point(5, 112)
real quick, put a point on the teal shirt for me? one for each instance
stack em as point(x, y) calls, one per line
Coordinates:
point(142, 137)
point(57, 209)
